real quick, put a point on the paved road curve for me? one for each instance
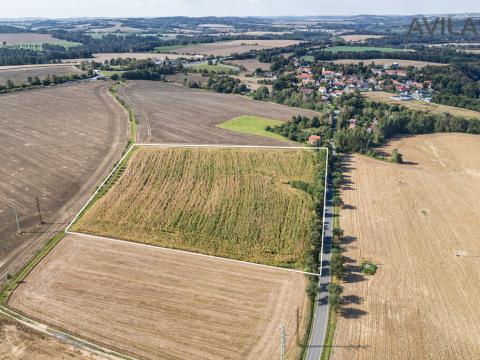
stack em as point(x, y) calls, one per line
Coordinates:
point(320, 321)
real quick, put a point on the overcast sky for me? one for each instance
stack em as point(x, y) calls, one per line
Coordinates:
point(153, 8)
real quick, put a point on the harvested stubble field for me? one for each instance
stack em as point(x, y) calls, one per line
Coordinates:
point(420, 223)
point(418, 105)
point(403, 63)
point(360, 38)
point(226, 48)
point(33, 40)
point(251, 64)
point(234, 203)
point(18, 342)
point(170, 113)
point(21, 74)
point(57, 145)
point(153, 303)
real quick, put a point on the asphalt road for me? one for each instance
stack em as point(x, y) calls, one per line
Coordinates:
point(319, 328)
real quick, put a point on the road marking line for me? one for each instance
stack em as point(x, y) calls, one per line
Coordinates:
point(191, 253)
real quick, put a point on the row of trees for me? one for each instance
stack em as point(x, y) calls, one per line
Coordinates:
point(301, 127)
point(46, 81)
point(149, 73)
point(432, 54)
point(377, 122)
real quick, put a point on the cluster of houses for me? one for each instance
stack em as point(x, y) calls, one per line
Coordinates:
point(330, 84)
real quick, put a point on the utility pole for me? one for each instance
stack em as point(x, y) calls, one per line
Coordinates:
point(283, 342)
point(19, 231)
point(39, 211)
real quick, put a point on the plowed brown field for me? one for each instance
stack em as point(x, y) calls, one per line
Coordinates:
point(172, 113)
point(161, 304)
point(20, 74)
point(56, 145)
point(421, 223)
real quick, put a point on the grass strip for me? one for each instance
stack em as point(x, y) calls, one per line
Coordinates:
point(8, 288)
point(330, 336)
point(113, 90)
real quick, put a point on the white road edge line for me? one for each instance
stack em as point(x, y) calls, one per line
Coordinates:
point(191, 253)
point(324, 209)
point(218, 146)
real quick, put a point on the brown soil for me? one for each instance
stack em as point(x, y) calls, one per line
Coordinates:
point(57, 145)
point(169, 113)
point(18, 342)
point(160, 304)
point(21, 74)
point(420, 223)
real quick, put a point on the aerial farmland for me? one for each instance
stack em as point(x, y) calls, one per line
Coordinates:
point(259, 185)
point(169, 113)
point(55, 152)
point(420, 222)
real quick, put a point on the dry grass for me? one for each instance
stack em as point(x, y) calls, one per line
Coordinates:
point(233, 203)
point(402, 63)
point(158, 304)
point(18, 342)
point(420, 223)
point(422, 105)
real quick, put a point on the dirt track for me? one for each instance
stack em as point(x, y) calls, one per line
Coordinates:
point(421, 223)
point(57, 145)
point(17, 342)
point(171, 113)
point(159, 304)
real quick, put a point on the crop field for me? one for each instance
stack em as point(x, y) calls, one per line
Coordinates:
point(360, 38)
point(251, 64)
point(170, 113)
point(402, 63)
point(226, 48)
point(213, 68)
point(418, 105)
point(33, 39)
point(21, 74)
point(20, 342)
point(152, 303)
point(336, 49)
point(57, 144)
point(420, 223)
point(222, 202)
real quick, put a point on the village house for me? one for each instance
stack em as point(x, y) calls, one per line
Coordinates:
point(314, 140)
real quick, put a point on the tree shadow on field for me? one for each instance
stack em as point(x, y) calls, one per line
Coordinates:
point(353, 273)
point(352, 313)
point(348, 240)
point(352, 300)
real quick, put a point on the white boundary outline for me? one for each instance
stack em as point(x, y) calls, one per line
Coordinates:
point(219, 146)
